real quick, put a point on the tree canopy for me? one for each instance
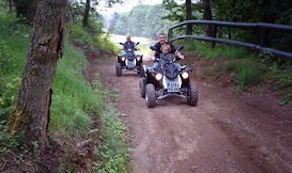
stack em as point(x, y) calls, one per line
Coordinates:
point(143, 20)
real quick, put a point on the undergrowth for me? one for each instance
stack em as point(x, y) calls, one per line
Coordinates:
point(251, 68)
point(74, 102)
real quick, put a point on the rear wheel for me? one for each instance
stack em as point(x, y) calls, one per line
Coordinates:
point(150, 95)
point(141, 71)
point(118, 69)
point(192, 96)
point(142, 87)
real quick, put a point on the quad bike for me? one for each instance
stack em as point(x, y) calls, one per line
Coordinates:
point(167, 80)
point(129, 61)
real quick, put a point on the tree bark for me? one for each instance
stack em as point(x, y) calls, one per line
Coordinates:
point(208, 16)
point(32, 111)
point(86, 14)
point(189, 16)
point(10, 6)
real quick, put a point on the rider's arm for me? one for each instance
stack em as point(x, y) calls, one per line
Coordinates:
point(153, 53)
point(178, 54)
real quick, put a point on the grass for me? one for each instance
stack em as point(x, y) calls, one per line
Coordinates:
point(100, 40)
point(236, 59)
point(74, 102)
point(113, 153)
point(73, 98)
point(250, 68)
point(13, 47)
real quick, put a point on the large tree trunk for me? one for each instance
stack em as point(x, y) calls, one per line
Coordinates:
point(208, 16)
point(26, 8)
point(189, 16)
point(86, 13)
point(32, 111)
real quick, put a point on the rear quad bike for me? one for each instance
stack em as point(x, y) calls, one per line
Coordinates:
point(129, 61)
point(167, 80)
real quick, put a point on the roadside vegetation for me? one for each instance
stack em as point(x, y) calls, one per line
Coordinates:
point(243, 68)
point(80, 113)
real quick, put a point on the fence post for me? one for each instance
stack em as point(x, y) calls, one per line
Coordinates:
point(170, 34)
point(214, 33)
point(263, 37)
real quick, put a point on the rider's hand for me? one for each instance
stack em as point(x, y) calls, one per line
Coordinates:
point(182, 57)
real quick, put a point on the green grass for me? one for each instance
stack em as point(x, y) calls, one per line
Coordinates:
point(113, 153)
point(237, 59)
point(13, 48)
point(100, 40)
point(249, 67)
point(74, 102)
point(73, 99)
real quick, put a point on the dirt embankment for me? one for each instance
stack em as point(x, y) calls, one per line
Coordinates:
point(224, 133)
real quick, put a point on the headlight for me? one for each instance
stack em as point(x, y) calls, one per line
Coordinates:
point(138, 58)
point(185, 75)
point(158, 76)
point(123, 58)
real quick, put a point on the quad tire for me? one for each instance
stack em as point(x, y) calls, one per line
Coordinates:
point(142, 87)
point(150, 96)
point(118, 69)
point(141, 71)
point(192, 97)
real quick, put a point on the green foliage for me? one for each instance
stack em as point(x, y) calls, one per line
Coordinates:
point(144, 21)
point(281, 74)
point(247, 69)
point(73, 99)
point(9, 142)
point(113, 153)
point(13, 46)
point(205, 49)
point(176, 12)
point(273, 11)
point(73, 102)
point(247, 72)
point(79, 35)
point(94, 37)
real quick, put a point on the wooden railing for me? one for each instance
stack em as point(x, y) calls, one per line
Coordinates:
point(215, 26)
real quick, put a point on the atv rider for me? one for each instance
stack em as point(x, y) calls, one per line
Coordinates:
point(167, 56)
point(129, 44)
point(157, 50)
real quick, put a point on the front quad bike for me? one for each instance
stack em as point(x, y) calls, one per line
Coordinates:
point(129, 61)
point(167, 80)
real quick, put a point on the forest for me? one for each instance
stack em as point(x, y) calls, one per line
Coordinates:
point(148, 21)
point(62, 109)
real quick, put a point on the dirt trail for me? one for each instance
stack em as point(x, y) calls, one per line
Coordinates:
point(224, 133)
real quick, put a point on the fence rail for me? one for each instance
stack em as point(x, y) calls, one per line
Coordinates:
point(262, 27)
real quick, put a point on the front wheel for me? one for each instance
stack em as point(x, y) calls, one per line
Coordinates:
point(118, 69)
point(150, 95)
point(141, 71)
point(142, 87)
point(192, 96)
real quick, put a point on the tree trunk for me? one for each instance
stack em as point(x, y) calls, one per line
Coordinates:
point(189, 16)
point(208, 16)
point(32, 111)
point(10, 6)
point(26, 8)
point(233, 5)
point(86, 14)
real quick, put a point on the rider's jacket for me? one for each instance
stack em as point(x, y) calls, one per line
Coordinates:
point(157, 47)
point(129, 45)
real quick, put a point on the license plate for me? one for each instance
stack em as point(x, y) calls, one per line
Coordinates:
point(131, 64)
point(172, 86)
